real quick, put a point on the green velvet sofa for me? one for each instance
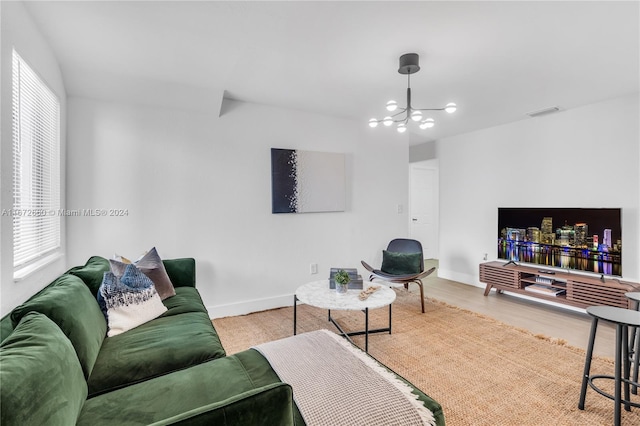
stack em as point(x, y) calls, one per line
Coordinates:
point(57, 367)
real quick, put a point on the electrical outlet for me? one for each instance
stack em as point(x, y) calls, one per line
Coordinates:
point(313, 268)
point(400, 209)
point(486, 255)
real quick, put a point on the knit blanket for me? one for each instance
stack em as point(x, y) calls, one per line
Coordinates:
point(335, 383)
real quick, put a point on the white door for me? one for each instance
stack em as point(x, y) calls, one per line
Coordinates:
point(424, 206)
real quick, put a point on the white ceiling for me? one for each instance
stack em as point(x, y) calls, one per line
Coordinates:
point(496, 60)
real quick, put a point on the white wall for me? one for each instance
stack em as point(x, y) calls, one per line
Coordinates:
point(19, 31)
point(422, 152)
point(585, 157)
point(196, 185)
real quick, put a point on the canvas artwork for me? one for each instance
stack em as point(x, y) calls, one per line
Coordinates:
point(307, 181)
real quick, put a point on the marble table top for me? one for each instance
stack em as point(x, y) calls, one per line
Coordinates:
point(319, 294)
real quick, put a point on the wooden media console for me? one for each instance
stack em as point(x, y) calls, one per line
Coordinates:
point(556, 286)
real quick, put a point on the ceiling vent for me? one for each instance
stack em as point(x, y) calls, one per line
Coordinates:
point(544, 111)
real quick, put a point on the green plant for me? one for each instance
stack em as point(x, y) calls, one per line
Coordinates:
point(342, 277)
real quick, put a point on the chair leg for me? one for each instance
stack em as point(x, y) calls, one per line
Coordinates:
point(421, 294)
point(587, 363)
point(636, 360)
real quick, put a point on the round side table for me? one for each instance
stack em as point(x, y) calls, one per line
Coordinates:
point(319, 294)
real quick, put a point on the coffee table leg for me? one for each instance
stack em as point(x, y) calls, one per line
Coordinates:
point(366, 329)
point(295, 306)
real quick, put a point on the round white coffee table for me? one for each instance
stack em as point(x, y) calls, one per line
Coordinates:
point(319, 294)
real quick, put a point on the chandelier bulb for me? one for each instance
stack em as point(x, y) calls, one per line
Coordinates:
point(373, 123)
point(402, 128)
point(451, 107)
point(427, 123)
point(388, 121)
point(392, 105)
point(416, 115)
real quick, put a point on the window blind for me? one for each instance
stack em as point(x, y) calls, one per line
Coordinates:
point(36, 166)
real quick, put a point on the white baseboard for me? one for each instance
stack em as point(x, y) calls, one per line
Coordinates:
point(461, 278)
point(546, 302)
point(249, 306)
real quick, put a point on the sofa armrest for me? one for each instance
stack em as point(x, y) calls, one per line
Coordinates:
point(6, 327)
point(268, 405)
point(182, 272)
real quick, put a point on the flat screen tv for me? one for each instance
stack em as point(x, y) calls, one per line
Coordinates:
point(581, 239)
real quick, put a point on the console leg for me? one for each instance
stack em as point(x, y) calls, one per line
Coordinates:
point(487, 289)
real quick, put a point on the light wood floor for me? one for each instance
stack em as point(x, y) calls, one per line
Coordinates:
point(534, 316)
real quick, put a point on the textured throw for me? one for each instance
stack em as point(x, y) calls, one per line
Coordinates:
point(335, 383)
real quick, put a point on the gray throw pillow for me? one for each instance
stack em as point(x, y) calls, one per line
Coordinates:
point(151, 265)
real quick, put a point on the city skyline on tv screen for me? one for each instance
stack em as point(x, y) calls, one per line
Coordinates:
point(585, 239)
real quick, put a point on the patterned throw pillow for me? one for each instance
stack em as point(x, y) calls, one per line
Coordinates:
point(128, 301)
point(151, 265)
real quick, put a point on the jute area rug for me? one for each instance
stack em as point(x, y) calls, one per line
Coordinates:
point(481, 371)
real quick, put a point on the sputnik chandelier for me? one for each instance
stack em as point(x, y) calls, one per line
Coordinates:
point(409, 65)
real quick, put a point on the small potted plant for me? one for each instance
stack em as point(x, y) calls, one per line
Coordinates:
point(342, 281)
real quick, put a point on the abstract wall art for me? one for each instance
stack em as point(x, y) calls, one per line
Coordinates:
point(307, 181)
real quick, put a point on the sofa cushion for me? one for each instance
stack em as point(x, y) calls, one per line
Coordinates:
point(151, 265)
point(208, 393)
point(182, 271)
point(187, 299)
point(128, 301)
point(6, 327)
point(155, 348)
point(69, 303)
point(400, 263)
point(92, 272)
point(42, 380)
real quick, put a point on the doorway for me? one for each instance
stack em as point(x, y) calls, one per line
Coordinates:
point(424, 206)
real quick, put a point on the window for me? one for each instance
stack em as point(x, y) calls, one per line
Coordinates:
point(36, 167)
